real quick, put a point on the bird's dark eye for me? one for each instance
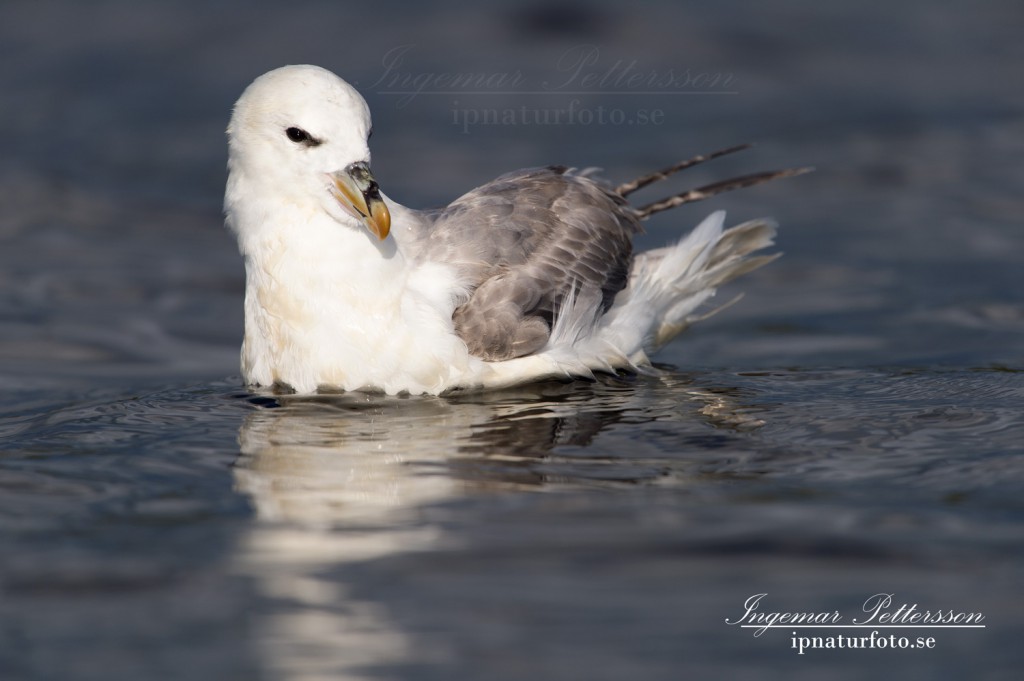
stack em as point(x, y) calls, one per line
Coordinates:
point(297, 135)
point(300, 136)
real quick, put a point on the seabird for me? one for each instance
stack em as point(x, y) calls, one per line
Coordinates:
point(530, 276)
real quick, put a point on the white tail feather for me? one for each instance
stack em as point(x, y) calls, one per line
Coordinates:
point(666, 288)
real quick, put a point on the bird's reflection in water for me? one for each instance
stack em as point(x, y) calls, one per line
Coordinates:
point(343, 478)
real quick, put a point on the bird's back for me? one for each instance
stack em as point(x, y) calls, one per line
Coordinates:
point(522, 243)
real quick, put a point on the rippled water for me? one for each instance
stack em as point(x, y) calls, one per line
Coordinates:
point(852, 427)
point(607, 526)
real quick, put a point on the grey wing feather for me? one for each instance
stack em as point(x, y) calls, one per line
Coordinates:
point(520, 244)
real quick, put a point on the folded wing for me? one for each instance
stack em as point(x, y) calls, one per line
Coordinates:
point(523, 243)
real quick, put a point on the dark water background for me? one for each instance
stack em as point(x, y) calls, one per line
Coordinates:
point(852, 427)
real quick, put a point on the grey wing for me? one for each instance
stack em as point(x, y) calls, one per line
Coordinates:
point(521, 243)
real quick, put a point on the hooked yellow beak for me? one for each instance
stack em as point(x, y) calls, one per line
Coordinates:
point(358, 194)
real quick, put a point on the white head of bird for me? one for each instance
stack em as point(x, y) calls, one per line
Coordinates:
point(299, 134)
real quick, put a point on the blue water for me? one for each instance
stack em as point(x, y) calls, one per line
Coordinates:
point(851, 427)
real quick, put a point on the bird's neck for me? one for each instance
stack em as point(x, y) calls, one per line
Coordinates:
point(312, 285)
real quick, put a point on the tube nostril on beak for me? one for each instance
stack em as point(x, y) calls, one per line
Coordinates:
point(359, 195)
